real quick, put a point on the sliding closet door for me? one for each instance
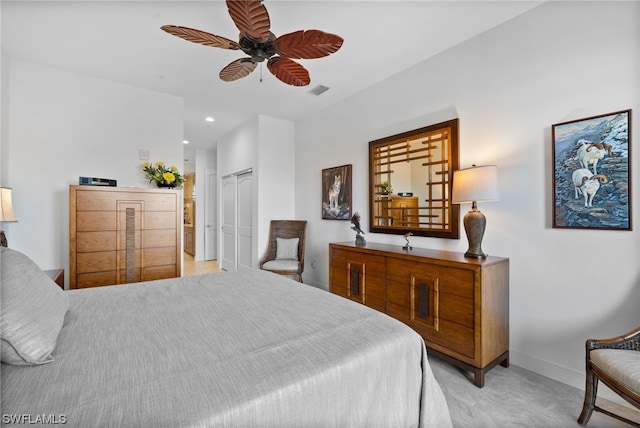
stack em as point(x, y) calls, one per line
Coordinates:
point(245, 214)
point(228, 244)
point(237, 226)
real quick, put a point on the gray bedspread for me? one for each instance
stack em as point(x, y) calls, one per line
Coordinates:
point(236, 349)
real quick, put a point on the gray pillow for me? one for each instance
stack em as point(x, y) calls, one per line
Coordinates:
point(33, 309)
point(287, 249)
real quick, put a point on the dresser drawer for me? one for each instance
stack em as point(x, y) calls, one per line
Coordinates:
point(90, 200)
point(96, 241)
point(457, 281)
point(372, 265)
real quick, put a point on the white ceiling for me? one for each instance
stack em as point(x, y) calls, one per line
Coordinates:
point(121, 41)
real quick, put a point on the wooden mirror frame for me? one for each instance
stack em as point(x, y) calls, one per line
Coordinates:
point(431, 213)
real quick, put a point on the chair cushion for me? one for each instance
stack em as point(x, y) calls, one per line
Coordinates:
point(287, 249)
point(621, 364)
point(33, 310)
point(291, 265)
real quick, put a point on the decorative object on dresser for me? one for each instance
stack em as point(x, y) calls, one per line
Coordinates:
point(161, 175)
point(285, 252)
point(478, 183)
point(592, 172)
point(355, 220)
point(121, 235)
point(336, 193)
point(614, 361)
point(418, 164)
point(6, 212)
point(460, 306)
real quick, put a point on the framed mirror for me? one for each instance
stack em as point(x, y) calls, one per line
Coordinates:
point(410, 177)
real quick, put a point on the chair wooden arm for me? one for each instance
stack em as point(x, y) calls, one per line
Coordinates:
point(629, 341)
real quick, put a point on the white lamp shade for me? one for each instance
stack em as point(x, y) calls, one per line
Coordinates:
point(478, 183)
point(6, 208)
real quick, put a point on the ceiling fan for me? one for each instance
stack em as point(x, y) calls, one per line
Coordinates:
point(257, 41)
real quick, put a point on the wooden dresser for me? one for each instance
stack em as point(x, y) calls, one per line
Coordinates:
point(460, 306)
point(121, 235)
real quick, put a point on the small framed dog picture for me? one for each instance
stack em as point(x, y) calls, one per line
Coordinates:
point(336, 193)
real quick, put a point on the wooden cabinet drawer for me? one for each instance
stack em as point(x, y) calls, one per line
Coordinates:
point(108, 199)
point(96, 241)
point(373, 265)
point(97, 261)
point(85, 280)
point(452, 280)
point(95, 221)
point(159, 272)
point(159, 257)
point(448, 334)
point(445, 306)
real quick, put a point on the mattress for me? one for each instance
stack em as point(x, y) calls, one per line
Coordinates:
point(237, 349)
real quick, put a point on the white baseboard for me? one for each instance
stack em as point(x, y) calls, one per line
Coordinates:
point(561, 374)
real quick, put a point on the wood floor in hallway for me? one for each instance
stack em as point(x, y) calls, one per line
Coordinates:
point(192, 267)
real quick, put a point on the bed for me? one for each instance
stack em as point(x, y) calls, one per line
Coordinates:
point(236, 349)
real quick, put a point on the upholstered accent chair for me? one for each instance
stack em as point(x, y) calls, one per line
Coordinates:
point(615, 362)
point(285, 253)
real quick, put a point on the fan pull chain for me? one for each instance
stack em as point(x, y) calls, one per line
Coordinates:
point(260, 72)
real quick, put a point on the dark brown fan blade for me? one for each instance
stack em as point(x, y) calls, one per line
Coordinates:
point(288, 71)
point(251, 18)
point(237, 69)
point(201, 37)
point(307, 44)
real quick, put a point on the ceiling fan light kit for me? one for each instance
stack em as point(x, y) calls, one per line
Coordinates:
point(260, 44)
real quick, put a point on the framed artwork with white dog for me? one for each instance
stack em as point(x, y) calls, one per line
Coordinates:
point(592, 172)
point(336, 193)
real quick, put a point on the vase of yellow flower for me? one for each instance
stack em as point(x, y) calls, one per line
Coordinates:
point(162, 176)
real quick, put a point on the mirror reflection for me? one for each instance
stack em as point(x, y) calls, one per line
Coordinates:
point(410, 182)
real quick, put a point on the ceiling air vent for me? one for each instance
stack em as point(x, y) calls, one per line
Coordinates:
point(320, 89)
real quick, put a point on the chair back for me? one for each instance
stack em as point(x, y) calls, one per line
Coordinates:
point(286, 229)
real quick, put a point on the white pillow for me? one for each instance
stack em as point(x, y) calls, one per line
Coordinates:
point(287, 249)
point(33, 309)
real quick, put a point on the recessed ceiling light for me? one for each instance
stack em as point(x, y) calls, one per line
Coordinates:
point(209, 119)
point(185, 141)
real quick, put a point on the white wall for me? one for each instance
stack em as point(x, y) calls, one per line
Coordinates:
point(266, 145)
point(64, 125)
point(561, 61)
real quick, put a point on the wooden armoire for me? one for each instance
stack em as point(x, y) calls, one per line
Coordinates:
point(120, 235)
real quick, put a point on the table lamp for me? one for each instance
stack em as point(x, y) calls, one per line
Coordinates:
point(478, 183)
point(6, 211)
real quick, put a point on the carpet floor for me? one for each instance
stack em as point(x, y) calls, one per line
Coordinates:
point(515, 397)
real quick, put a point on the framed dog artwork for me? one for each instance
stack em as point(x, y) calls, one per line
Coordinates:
point(336, 193)
point(592, 172)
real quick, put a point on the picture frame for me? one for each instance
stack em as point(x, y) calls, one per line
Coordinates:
point(592, 172)
point(336, 193)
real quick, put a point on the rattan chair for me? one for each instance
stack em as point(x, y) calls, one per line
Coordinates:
point(289, 258)
point(615, 362)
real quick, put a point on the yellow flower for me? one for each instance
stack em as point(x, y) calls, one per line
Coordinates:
point(174, 168)
point(159, 164)
point(145, 164)
point(169, 177)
